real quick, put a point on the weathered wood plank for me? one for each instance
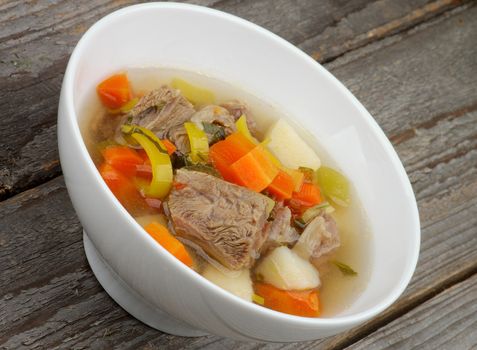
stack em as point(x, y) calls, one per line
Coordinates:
point(39, 305)
point(36, 39)
point(447, 321)
point(416, 77)
point(49, 296)
point(376, 21)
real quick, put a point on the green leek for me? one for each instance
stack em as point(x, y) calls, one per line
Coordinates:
point(199, 144)
point(242, 127)
point(334, 185)
point(161, 167)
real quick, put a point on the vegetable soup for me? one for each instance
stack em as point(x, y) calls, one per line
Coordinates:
point(232, 188)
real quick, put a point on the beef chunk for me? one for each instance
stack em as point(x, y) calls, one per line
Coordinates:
point(164, 111)
point(327, 231)
point(279, 230)
point(217, 116)
point(236, 109)
point(319, 239)
point(227, 221)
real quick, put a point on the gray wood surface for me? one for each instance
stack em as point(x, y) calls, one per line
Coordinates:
point(417, 76)
point(447, 321)
point(36, 38)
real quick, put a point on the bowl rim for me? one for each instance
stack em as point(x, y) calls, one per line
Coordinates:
point(72, 118)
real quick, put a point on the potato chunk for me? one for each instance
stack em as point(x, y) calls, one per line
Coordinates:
point(236, 282)
point(285, 270)
point(290, 149)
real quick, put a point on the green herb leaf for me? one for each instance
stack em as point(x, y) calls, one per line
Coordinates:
point(299, 223)
point(345, 269)
point(216, 132)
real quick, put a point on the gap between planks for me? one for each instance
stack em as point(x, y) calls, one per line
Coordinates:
point(379, 322)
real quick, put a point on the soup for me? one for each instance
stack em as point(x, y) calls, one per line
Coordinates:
point(232, 188)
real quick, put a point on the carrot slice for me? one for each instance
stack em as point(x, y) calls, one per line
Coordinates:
point(122, 158)
point(123, 189)
point(297, 176)
point(162, 236)
point(114, 91)
point(255, 170)
point(170, 147)
point(300, 303)
point(224, 153)
point(282, 186)
point(221, 158)
point(309, 195)
point(239, 144)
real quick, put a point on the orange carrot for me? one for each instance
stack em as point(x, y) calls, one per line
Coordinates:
point(122, 158)
point(297, 176)
point(300, 303)
point(123, 188)
point(221, 159)
point(308, 196)
point(224, 153)
point(114, 91)
point(142, 153)
point(239, 144)
point(282, 185)
point(144, 171)
point(255, 170)
point(162, 236)
point(170, 147)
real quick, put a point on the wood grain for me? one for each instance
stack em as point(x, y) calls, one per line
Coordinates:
point(50, 298)
point(447, 321)
point(419, 84)
point(36, 38)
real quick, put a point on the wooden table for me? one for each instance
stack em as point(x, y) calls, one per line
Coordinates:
point(412, 63)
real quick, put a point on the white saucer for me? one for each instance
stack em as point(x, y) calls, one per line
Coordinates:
point(130, 300)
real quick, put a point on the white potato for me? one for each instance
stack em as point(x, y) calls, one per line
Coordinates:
point(285, 270)
point(236, 282)
point(290, 148)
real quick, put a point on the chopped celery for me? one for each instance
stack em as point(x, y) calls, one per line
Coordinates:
point(334, 185)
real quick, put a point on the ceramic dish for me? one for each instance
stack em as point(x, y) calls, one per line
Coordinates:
point(139, 274)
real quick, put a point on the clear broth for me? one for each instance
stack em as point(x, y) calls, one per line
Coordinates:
point(337, 291)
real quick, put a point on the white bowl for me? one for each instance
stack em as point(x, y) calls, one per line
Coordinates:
point(139, 274)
